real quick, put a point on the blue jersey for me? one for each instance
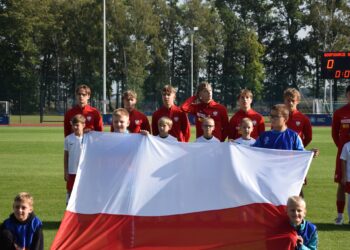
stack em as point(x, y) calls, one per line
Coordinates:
point(308, 231)
point(23, 232)
point(288, 140)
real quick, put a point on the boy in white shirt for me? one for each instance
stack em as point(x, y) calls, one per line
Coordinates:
point(72, 151)
point(208, 126)
point(345, 166)
point(246, 128)
point(164, 126)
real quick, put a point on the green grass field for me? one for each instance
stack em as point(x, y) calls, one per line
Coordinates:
point(31, 159)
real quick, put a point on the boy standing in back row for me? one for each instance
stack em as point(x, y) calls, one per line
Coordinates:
point(203, 106)
point(91, 114)
point(181, 125)
point(341, 135)
point(297, 121)
point(245, 100)
point(138, 121)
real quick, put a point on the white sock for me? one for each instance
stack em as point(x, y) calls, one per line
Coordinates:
point(340, 215)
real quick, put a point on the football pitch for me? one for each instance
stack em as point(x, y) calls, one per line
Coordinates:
point(31, 159)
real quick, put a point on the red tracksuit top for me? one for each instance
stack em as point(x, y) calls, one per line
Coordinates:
point(235, 122)
point(138, 122)
point(213, 110)
point(301, 124)
point(181, 125)
point(91, 114)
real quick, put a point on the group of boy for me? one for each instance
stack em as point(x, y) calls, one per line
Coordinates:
point(247, 126)
point(290, 130)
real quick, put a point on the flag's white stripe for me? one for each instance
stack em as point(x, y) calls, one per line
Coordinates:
point(147, 176)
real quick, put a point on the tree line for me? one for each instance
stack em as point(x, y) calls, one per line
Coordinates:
point(48, 47)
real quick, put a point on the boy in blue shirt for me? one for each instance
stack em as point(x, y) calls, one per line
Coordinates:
point(307, 232)
point(22, 230)
point(280, 136)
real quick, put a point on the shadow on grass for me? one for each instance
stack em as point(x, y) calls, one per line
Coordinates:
point(332, 227)
point(51, 225)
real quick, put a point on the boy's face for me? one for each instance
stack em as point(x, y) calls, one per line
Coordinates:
point(168, 99)
point(277, 120)
point(296, 213)
point(82, 97)
point(120, 123)
point(245, 102)
point(163, 129)
point(205, 95)
point(208, 127)
point(291, 102)
point(78, 128)
point(246, 128)
point(129, 103)
point(21, 210)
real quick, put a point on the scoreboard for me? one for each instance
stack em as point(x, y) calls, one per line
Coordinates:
point(335, 65)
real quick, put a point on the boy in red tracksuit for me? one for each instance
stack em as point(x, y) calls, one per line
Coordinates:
point(92, 115)
point(245, 100)
point(297, 121)
point(203, 106)
point(138, 121)
point(341, 135)
point(181, 125)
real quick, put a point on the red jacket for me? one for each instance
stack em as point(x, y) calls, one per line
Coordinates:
point(138, 121)
point(301, 124)
point(92, 115)
point(181, 125)
point(235, 122)
point(340, 135)
point(213, 110)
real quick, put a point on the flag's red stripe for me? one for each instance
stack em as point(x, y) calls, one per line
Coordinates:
point(256, 226)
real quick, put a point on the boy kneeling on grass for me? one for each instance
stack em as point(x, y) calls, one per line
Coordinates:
point(307, 232)
point(22, 230)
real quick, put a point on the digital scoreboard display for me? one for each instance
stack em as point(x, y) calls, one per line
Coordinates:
point(335, 65)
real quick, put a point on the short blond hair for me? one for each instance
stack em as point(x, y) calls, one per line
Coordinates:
point(129, 94)
point(281, 109)
point(85, 87)
point(296, 200)
point(245, 92)
point(120, 112)
point(207, 119)
point(202, 86)
point(24, 197)
point(78, 119)
point(165, 120)
point(168, 89)
point(291, 92)
point(246, 120)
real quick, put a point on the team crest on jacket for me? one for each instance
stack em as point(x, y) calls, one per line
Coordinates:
point(88, 118)
point(297, 123)
point(176, 118)
point(215, 113)
point(137, 122)
point(254, 122)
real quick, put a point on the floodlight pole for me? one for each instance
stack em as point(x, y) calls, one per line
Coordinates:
point(192, 32)
point(104, 58)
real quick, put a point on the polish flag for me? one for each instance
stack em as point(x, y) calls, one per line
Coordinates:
point(143, 192)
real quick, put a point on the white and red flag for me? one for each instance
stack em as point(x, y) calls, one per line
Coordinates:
point(142, 192)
